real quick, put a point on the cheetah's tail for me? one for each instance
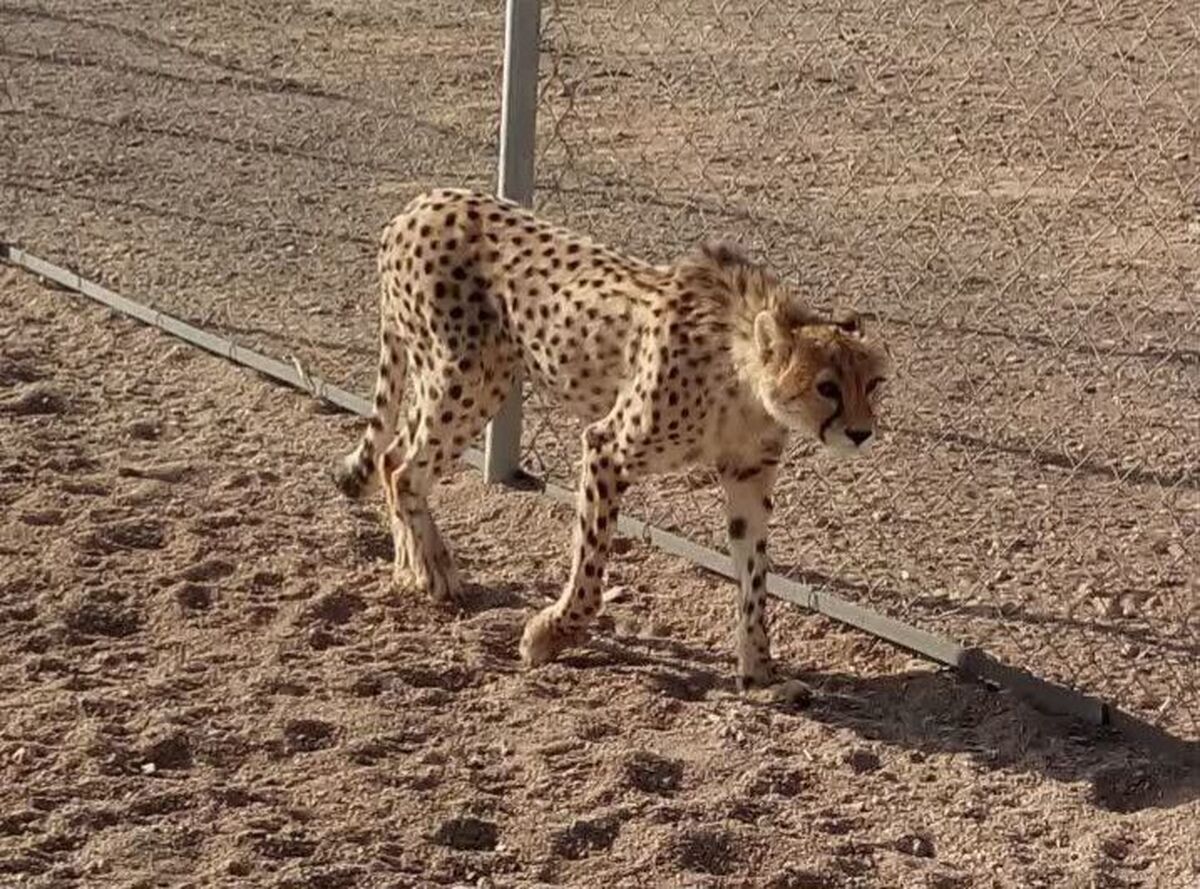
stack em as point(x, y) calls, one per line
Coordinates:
point(359, 472)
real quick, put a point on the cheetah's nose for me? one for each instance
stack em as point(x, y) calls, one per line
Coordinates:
point(858, 436)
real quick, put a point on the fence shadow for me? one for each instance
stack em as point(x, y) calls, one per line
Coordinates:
point(1183, 355)
point(1010, 612)
point(939, 712)
point(252, 78)
point(1110, 471)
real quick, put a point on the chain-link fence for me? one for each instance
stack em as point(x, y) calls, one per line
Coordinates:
point(1011, 189)
point(234, 162)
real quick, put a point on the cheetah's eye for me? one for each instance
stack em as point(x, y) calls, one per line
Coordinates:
point(829, 389)
point(873, 384)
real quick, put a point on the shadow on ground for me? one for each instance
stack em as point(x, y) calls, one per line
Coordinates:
point(931, 712)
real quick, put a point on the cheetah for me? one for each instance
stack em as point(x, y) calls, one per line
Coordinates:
point(707, 360)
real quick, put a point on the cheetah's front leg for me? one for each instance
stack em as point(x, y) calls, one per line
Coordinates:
point(565, 622)
point(748, 505)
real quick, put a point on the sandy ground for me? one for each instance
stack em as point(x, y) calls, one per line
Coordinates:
point(207, 681)
point(1011, 188)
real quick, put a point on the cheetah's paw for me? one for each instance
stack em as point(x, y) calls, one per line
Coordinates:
point(757, 673)
point(544, 638)
point(404, 579)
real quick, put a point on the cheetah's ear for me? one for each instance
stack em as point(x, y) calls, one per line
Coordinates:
point(771, 339)
point(797, 314)
point(723, 254)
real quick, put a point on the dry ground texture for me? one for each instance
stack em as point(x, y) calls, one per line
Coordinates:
point(208, 681)
point(1011, 187)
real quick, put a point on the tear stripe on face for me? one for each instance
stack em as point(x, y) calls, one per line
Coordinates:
point(829, 421)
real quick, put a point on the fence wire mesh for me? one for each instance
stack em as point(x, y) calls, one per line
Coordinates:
point(234, 162)
point(1011, 189)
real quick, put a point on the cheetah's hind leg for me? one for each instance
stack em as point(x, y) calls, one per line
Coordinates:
point(449, 411)
point(360, 471)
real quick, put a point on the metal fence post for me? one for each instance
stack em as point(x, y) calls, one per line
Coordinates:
point(518, 118)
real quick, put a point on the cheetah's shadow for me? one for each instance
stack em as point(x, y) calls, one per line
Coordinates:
point(923, 712)
point(478, 598)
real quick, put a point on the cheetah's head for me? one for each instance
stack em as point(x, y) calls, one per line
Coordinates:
point(822, 376)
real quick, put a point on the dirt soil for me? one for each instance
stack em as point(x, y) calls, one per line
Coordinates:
point(1009, 188)
point(207, 680)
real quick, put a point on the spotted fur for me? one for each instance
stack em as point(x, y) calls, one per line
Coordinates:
point(707, 360)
